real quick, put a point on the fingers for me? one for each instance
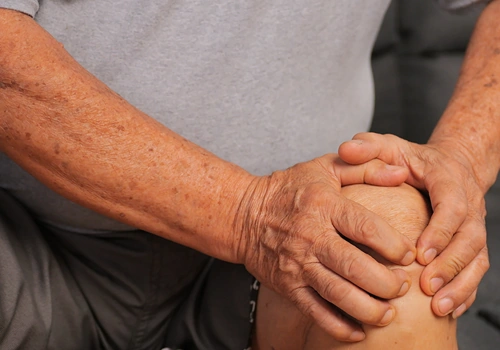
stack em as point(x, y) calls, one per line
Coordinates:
point(463, 249)
point(459, 311)
point(362, 226)
point(456, 232)
point(326, 316)
point(461, 290)
point(444, 222)
point(367, 146)
point(349, 298)
point(455, 210)
point(361, 269)
point(451, 206)
point(374, 172)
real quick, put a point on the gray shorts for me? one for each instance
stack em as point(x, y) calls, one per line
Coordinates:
point(126, 290)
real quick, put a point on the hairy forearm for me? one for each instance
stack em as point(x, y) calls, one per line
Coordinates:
point(85, 142)
point(472, 118)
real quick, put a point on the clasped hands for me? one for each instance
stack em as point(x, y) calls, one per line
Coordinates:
point(296, 231)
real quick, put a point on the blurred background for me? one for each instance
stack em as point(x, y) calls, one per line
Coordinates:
point(416, 61)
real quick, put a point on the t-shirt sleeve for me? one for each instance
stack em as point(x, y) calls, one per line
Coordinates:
point(30, 7)
point(457, 5)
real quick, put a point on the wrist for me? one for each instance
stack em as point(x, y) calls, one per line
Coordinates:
point(247, 220)
point(473, 157)
point(216, 227)
point(261, 208)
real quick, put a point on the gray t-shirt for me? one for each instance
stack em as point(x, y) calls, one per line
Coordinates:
point(264, 84)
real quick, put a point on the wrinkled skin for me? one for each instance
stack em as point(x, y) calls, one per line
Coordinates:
point(453, 246)
point(295, 219)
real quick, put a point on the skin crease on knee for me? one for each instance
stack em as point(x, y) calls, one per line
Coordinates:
point(281, 326)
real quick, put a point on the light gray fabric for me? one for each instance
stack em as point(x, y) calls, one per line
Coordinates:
point(264, 84)
point(29, 7)
point(41, 306)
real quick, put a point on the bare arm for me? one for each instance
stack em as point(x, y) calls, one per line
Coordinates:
point(85, 142)
point(472, 118)
point(457, 166)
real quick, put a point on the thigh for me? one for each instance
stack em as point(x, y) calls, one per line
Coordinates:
point(219, 312)
point(41, 305)
point(65, 290)
point(133, 282)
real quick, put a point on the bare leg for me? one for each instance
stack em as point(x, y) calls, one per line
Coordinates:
point(281, 326)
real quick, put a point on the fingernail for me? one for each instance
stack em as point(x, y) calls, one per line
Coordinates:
point(409, 258)
point(357, 142)
point(387, 317)
point(357, 336)
point(445, 305)
point(459, 311)
point(436, 283)
point(429, 255)
point(404, 289)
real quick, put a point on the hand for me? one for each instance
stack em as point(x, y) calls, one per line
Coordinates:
point(294, 223)
point(453, 246)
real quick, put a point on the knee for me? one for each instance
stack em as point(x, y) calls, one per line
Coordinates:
point(404, 207)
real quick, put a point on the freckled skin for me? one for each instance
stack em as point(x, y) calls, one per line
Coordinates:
point(96, 153)
point(476, 101)
point(457, 166)
point(280, 325)
point(493, 82)
point(87, 172)
point(178, 186)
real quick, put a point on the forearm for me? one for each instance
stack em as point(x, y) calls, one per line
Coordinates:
point(84, 141)
point(472, 118)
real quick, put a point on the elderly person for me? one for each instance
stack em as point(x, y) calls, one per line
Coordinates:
point(142, 139)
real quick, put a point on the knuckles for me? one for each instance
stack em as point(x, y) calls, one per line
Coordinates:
point(367, 230)
point(454, 265)
point(312, 195)
point(480, 237)
point(352, 267)
point(484, 260)
point(459, 208)
point(336, 293)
